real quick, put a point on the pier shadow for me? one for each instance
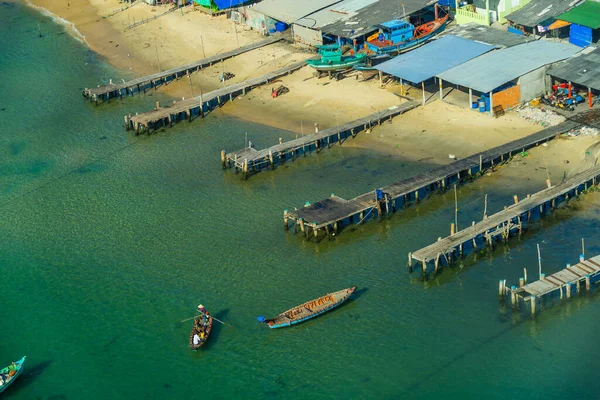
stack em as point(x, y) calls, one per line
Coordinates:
point(447, 273)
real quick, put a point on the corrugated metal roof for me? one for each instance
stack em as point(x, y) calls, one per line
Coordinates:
point(538, 11)
point(486, 34)
point(433, 58)
point(494, 69)
point(586, 14)
point(582, 70)
point(290, 11)
point(364, 20)
point(339, 11)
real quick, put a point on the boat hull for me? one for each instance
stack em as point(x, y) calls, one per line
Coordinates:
point(325, 67)
point(310, 309)
point(408, 45)
point(195, 329)
point(19, 365)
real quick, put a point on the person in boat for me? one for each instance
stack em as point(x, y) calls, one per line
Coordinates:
point(196, 340)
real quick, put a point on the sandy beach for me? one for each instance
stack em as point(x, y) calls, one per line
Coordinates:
point(429, 133)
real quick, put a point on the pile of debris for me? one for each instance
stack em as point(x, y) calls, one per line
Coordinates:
point(540, 116)
point(584, 130)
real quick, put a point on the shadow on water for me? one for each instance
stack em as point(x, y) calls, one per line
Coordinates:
point(217, 327)
point(30, 374)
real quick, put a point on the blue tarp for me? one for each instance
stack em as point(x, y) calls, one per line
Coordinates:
point(580, 35)
point(433, 58)
point(223, 4)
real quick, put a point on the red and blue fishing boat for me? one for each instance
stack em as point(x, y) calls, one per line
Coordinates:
point(10, 374)
point(398, 36)
point(309, 310)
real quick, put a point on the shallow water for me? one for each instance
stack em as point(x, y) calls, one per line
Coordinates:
point(108, 240)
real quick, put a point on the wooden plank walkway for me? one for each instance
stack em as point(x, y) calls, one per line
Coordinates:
point(250, 160)
point(331, 213)
point(137, 85)
point(570, 279)
point(198, 106)
point(502, 223)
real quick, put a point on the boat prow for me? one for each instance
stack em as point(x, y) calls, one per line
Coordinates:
point(310, 309)
point(10, 374)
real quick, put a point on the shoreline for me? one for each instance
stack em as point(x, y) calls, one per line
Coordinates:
point(429, 133)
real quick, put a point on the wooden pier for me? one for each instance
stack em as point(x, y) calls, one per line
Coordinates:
point(249, 160)
point(331, 214)
point(138, 85)
point(199, 106)
point(505, 222)
point(569, 281)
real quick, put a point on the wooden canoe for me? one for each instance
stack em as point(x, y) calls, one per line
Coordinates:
point(198, 328)
point(310, 309)
point(7, 377)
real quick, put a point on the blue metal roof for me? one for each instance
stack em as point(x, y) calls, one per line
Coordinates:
point(433, 58)
point(494, 69)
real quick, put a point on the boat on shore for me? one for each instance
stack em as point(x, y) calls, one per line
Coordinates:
point(200, 331)
point(309, 310)
point(398, 36)
point(332, 59)
point(10, 374)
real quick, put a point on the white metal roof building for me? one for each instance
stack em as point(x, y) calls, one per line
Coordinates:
point(523, 65)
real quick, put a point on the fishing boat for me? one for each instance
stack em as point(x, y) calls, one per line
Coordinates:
point(10, 374)
point(332, 59)
point(398, 36)
point(202, 330)
point(308, 310)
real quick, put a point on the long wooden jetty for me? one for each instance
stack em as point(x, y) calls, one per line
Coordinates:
point(144, 83)
point(330, 214)
point(503, 223)
point(565, 282)
point(249, 160)
point(200, 105)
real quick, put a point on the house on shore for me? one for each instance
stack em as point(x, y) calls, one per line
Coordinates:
point(486, 12)
point(584, 20)
point(316, 22)
point(509, 76)
point(538, 16)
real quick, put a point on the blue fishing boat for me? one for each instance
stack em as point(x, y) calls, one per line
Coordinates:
point(309, 310)
point(398, 36)
point(332, 59)
point(10, 374)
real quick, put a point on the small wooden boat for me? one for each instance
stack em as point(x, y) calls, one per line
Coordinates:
point(202, 330)
point(9, 374)
point(309, 309)
point(396, 37)
point(332, 59)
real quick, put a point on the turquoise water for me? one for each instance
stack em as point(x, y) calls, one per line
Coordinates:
point(109, 240)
